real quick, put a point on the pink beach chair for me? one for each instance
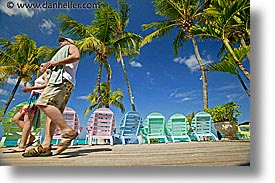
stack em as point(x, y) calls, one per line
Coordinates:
point(101, 125)
point(72, 120)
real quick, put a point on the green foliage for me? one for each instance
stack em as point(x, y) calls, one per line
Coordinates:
point(190, 117)
point(105, 37)
point(225, 112)
point(227, 63)
point(109, 97)
point(20, 59)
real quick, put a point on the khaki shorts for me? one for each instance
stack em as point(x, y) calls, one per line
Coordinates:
point(56, 95)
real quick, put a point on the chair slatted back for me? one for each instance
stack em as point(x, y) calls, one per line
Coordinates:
point(155, 124)
point(130, 124)
point(177, 125)
point(202, 123)
point(101, 122)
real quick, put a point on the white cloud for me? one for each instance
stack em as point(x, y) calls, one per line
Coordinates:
point(47, 26)
point(235, 96)
point(230, 86)
point(191, 62)
point(184, 96)
point(3, 92)
point(82, 97)
point(10, 8)
point(12, 81)
point(3, 101)
point(149, 78)
point(185, 99)
point(135, 64)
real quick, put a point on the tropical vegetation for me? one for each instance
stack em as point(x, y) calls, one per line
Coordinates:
point(180, 15)
point(105, 37)
point(228, 22)
point(225, 112)
point(19, 59)
point(194, 20)
point(109, 97)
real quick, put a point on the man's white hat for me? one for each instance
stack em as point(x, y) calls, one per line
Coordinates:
point(68, 39)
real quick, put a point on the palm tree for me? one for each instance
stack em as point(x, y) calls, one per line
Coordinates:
point(228, 65)
point(19, 58)
point(225, 21)
point(109, 97)
point(126, 43)
point(103, 38)
point(95, 38)
point(181, 15)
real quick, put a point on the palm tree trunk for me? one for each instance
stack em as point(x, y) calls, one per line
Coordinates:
point(243, 85)
point(128, 85)
point(99, 100)
point(203, 71)
point(109, 76)
point(12, 95)
point(240, 65)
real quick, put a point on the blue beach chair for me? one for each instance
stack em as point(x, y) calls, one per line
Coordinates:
point(129, 128)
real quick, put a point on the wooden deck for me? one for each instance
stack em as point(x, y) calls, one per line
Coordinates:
point(230, 153)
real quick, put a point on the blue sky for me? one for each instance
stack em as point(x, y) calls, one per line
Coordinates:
point(160, 82)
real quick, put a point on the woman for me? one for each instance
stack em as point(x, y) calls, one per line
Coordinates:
point(24, 117)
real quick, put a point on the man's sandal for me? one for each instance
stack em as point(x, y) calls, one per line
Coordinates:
point(68, 136)
point(43, 152)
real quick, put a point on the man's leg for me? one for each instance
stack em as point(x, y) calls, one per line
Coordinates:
point(56, 116)
point(49, 132)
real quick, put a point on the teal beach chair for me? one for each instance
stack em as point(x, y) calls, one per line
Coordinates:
point(154, 127)
point(202, 126)
point(177, 128)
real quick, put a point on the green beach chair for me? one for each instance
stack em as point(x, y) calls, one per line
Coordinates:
point(12, 132)
point(154, 127)
point(177, 128)
point(202, 125)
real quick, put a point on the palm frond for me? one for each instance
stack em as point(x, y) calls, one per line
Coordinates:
point(224, 66)
point(72, 28)
point(227, 63)
point(124, 13)
point(169, 8)
point(162, 28)
point(105, 20)
point(179, 41)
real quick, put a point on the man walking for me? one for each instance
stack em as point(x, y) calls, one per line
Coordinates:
point(62, 72)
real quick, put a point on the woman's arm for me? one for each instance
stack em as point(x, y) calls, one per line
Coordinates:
point(30, 88)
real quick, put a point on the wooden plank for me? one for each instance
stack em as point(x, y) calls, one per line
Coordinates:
point(180, 154)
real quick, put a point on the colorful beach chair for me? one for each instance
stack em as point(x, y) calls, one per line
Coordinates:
point(154, 127)
point(12, 132)
point(202, 126)
point(244, 130)
point(101, 126)
point(177, 128)
point(72, 120)
point(129, 128)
